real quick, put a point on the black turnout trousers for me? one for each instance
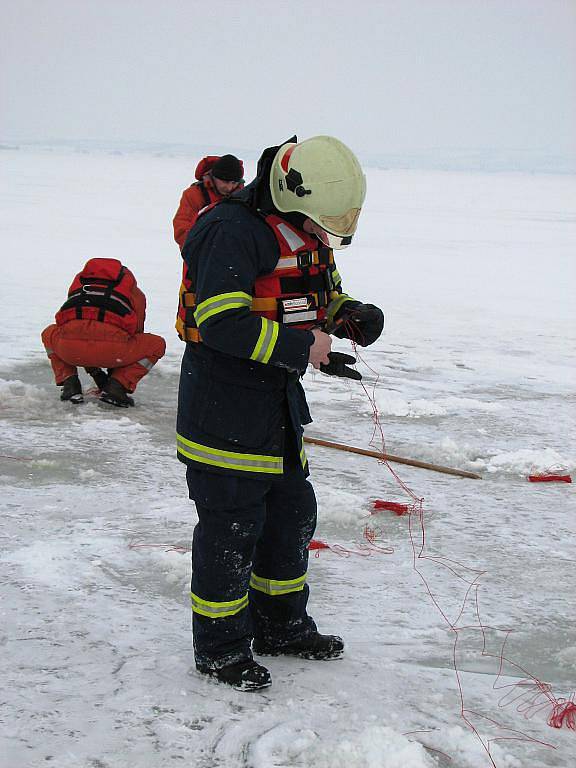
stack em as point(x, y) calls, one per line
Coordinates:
point(251, 529)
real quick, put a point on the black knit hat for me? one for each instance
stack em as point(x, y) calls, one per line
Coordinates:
point(228, 168)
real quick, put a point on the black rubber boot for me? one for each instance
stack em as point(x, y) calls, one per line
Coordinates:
point(72, 390)
point(100, 378)
point(315, 646)
point(245, 675)
point(114, 393)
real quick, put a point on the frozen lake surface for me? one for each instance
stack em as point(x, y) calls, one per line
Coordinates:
point(476, 275)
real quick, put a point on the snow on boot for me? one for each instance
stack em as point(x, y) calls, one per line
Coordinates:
point(115, 394)
point(314, 646)
point(100, 378)
point(72, 390)
point(245, 675)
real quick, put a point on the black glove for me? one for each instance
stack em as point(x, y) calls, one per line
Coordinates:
point(364, 324)
point(338, 366)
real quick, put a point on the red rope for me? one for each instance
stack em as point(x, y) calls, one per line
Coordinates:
point(362, 551)
point(549, 478)
point(392, 506)
point(563, 712)
point(553, 474)
point(317, 544)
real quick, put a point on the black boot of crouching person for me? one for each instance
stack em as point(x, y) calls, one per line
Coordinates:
point(115, 394)
point(72, 390)
point(99, 376)
point(312, 646)
point(244, 675)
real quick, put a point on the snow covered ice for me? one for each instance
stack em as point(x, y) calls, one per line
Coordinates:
point(475, 370)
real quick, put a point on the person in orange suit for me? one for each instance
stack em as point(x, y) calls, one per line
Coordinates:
point(101, 325)
point(217, 178)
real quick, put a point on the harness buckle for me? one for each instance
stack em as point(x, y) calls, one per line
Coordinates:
point(305, 259)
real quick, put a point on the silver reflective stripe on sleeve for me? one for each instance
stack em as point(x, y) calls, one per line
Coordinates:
point(221, 303)
point(266, 341)
point(145, 363)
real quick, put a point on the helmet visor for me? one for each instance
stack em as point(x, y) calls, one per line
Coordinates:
point(345, 224)
point(337, 231)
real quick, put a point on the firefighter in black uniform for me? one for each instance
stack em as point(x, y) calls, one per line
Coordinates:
point(260, 292)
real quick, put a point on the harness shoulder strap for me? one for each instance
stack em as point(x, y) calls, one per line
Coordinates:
point(108, 292)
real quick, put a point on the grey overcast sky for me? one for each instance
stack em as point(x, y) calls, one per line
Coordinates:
point(384, 76)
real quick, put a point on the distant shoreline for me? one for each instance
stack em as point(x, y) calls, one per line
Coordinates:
point(472, 159)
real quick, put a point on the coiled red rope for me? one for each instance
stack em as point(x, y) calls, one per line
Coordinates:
point(563, 711)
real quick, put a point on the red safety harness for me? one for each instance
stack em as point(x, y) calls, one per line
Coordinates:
point(102, 291)
point(296, 293)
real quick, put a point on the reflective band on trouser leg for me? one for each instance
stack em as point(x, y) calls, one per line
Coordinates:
point(214, 610)
point(221, 303)
point(246, 462)
point(266, 341)
point(276, 586)
point(145, 363)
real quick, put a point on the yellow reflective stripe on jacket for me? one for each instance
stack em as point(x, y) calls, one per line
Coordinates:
point(221, 303)
point(246, 462)
point(276, 586)
point(336, 276)
point(266, 341)
point(218, 610)
point(303, 457)
point(336, 303)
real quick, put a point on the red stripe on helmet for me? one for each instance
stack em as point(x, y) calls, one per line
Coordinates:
point(286, 158)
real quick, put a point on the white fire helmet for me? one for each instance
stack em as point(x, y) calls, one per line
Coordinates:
point(322, 179)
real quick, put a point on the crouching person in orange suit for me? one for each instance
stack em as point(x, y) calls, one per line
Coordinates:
point(101, 325)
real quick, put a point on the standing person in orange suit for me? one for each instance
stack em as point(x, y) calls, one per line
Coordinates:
point(101, 325)
point(217, 177)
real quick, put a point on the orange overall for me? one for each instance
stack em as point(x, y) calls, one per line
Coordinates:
point(89, 342)
point(196, 197)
